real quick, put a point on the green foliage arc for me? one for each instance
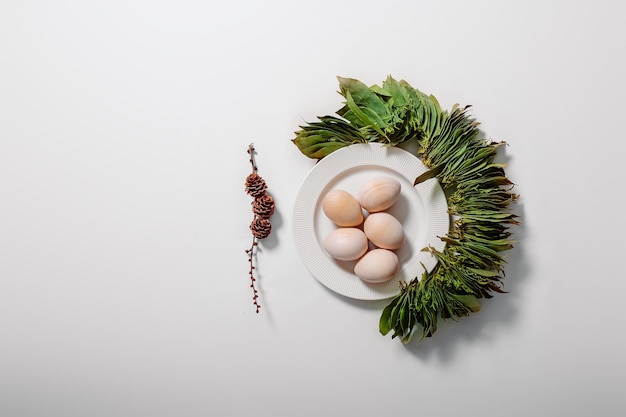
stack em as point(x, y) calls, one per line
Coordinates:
point(471, 266)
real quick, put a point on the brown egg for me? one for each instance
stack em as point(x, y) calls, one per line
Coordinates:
point(384, 230)
point(377, 265)
point(346, 243)
point(342, 208)
point(379, 194)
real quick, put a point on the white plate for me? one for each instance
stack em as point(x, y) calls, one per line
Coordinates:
point(422, 210)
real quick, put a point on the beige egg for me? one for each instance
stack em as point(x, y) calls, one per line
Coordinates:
point(384, 230)
point(342, 208)
point(346, 243)
point(377, 265)
point(379, 194)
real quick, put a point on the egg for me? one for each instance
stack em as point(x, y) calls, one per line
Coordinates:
point(384, 230)
point(379, 194)
point(377, 265)
point(342, 208)
point(346, 243)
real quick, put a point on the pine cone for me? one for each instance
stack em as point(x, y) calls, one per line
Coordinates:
point(261, 228)
point(263, 206)
point(255, 185)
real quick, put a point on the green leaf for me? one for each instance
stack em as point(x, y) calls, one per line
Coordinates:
point(362, 95)
point(385, 324)
point(319, 139)
point(368, 119)
point(431, 173)
point(469, 301)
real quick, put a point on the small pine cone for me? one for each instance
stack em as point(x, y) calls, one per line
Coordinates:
point(263, 206)
point(255, 185)
point(261, 228)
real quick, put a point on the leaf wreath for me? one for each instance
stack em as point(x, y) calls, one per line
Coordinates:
point(471, 266)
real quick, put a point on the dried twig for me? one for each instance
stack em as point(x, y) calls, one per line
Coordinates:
point(263, 208)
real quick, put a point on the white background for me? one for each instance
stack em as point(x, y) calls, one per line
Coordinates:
point(123, 220)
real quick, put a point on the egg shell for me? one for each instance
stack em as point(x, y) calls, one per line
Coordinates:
point(377, 265)
point(384, 230)
point(342, 208)
point(379, 194)
point(346, 243)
